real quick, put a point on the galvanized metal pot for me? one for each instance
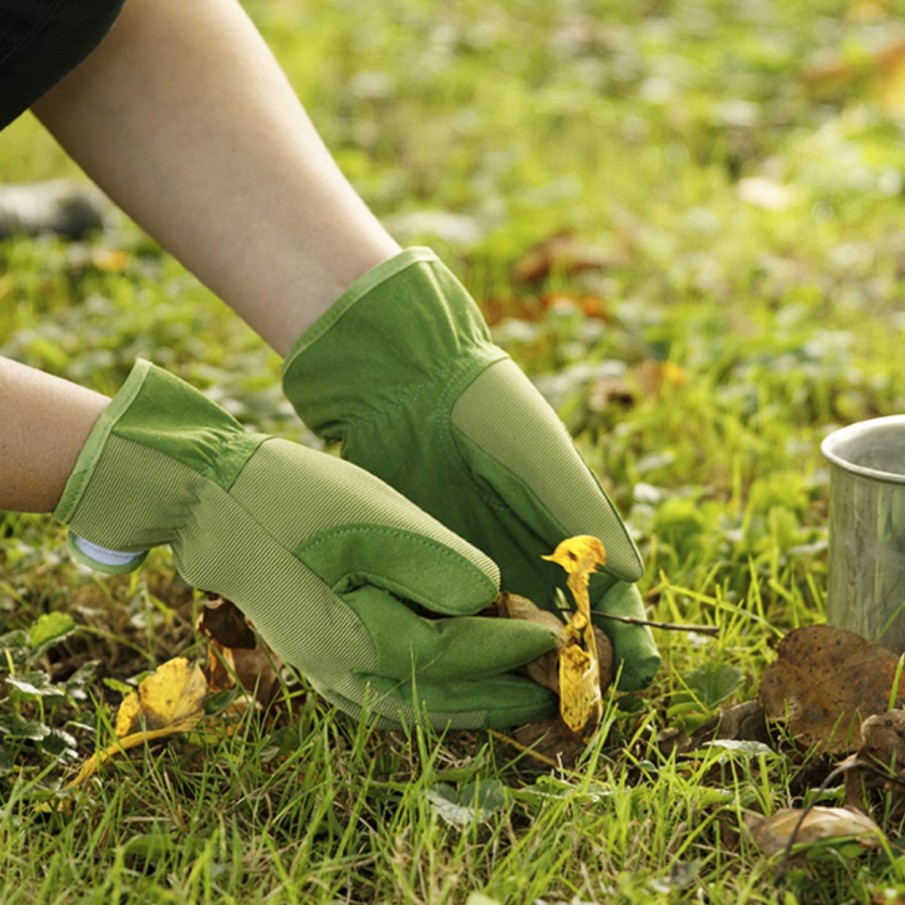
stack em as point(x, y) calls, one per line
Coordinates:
point(866, 591)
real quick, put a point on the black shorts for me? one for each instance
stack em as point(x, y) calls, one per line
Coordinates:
point(42, 40)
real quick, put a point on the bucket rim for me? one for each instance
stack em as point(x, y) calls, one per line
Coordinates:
point(831, 444)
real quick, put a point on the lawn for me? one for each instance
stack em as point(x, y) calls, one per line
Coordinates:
point(684, 221)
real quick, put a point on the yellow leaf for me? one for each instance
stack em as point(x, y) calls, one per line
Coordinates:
point(580, 700)
point(173, 693)
point(128, 717)
point(168, 701)
point(90, 767)
point(579, 555)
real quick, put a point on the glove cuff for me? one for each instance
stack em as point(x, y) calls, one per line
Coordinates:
point(138, 474)
point(406, 327)
point(103, 559)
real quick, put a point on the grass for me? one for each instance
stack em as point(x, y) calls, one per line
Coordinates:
point(737, 333)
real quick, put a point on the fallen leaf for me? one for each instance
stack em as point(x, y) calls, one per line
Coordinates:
point(825, 682)
point(252, 670)
point(877, 774)
point(496, 309)
point(545, 669)
point(812, 826)
point(563, 252)
point(235, 655)
point(744, 722)
point(884, 739)
point(128, 716)
point(589, 305)
point(170, 695)
point(533, 308)
point(550, 741)
point(223, 621)
point(580, 698)
point(168, 701)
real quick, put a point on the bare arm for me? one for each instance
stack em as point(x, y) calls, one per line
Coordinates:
point(44, 422)
point(185, 119)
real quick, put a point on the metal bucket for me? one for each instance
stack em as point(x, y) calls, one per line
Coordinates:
point(866, 590)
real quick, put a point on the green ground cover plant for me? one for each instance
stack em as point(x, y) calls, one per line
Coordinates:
point(684, 221)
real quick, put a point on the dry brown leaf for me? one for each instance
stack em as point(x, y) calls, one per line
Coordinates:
point(589, 305)
point(497, 309)
point(745, 722)
point(877, 773)
point(235, 655)
point(533, 308)
point(563, 252)
point(817, 824)
point(223, 621)
point(826, 681)
point(550, 741)
point(884, 739)
point(252, 670)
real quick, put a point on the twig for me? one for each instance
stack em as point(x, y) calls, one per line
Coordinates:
point(839, 770)
point(667, 626)
point(525, 749)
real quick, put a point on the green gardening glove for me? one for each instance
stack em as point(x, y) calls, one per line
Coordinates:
point(401, 370)
point(323, 557)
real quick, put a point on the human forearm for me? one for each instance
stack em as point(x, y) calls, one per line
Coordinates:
point(44, 421)
point(184, 118)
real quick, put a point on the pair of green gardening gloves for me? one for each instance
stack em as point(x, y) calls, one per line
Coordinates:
point(365, 572)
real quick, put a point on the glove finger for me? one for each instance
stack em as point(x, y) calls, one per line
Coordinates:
point(557, 500)
point(498, 702)
point(633, 645)
point(466, 646)
point(443, 573)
